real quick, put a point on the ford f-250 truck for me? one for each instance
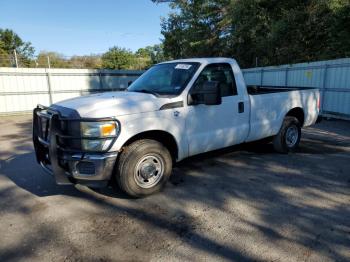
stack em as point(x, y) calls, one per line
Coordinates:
point(174, 110)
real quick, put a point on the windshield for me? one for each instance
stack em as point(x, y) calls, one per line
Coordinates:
point(165, 79)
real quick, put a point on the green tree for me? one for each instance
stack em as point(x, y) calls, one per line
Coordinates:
point(10, 41)
point(150, 55)
point(56, 60)
point(143, 58)
point(157, 53)
point(86, 61)
point(274, 31)
point(196, 28)
point(118, 58)
point(5, 58)
point(280, 32)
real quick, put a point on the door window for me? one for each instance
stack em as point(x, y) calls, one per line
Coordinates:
point(221, 73)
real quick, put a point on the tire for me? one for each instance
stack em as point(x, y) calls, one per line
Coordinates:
point(143, 168)
point(288, 138)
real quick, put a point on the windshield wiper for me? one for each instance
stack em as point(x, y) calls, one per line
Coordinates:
point(146, 91)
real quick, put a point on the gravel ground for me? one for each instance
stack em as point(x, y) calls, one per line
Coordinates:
point(242, 203)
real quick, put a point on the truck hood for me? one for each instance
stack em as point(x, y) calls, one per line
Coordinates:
point(111, 104)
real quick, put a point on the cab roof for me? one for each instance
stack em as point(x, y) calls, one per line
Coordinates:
point(204, 60)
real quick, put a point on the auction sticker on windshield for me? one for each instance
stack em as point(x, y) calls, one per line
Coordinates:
point(183, 66)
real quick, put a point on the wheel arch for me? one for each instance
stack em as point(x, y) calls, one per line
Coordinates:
point(297, 112)
point(164, 137)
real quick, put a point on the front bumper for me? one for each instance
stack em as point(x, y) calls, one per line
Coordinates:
point(66, 164)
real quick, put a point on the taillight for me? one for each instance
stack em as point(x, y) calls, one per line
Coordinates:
point(318, 103)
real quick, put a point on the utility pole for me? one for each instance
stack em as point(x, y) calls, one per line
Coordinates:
point(16, 60)
point(48, 62)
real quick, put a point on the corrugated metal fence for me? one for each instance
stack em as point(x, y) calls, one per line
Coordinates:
point(21, 89)
point(331, 77)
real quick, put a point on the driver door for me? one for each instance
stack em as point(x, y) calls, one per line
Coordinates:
point(211, 127)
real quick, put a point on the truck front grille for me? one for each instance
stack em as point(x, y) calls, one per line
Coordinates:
point(86, 168)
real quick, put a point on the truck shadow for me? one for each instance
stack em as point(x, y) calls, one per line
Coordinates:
point(306, 191)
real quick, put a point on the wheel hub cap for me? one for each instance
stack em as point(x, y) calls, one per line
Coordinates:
point(149, 171)
point(292, 135)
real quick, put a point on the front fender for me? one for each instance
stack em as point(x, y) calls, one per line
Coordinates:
point(157, 121)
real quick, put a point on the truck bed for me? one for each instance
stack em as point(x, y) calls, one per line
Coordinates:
point(270, 104)
point(260, 90)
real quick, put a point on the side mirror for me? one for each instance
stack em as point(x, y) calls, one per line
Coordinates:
point(208, 94)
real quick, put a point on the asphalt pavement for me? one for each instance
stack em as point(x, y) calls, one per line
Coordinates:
point(246, 202)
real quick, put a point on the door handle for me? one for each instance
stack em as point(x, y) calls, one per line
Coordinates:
point(240, 107)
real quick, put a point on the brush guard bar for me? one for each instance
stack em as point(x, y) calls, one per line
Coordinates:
point(47, 134)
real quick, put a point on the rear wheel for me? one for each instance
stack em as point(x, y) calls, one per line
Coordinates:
point(143, 168)
point(288, 138)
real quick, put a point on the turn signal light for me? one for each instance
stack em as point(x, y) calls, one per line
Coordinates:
point(108, 129)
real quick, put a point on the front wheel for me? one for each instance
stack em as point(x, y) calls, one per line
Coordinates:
point(143, 168)
point(288, 138)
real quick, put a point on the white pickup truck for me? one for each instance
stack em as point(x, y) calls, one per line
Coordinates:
point(176, 109)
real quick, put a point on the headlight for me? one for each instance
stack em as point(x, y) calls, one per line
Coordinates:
point(98, 129)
